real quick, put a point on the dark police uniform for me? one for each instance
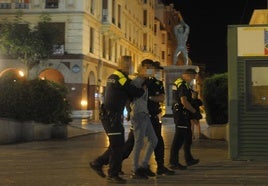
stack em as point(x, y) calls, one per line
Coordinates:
point(183, 134)
point(118, 91)
point(156, 88)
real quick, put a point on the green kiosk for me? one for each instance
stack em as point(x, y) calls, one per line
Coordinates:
point(248, 92)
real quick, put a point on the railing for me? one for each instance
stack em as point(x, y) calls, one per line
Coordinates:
point(5, 5)
point(21, 5)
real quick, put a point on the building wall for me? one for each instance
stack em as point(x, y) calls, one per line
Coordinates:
point(96, 38)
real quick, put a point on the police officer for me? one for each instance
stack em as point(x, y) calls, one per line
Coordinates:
point(118, 91)
point(181, 109)
point(156, 96)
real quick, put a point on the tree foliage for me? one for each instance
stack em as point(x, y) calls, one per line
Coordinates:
point(29, 43)
point(215, 98)
point(34, 100)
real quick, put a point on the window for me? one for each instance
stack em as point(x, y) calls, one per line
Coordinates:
point(119, 16)
point(22, 4)
point(104, 10)
point(59, 47)
point(257, 85)
point(145, 42)
point(145, 17)
point(91, 40)
point(163, 54)
point(155, 29)
point(110, 50)
point(52, 4)
point(113, 12)
point(103, 46)
point(5, 4)
point(163, 38)
point(92, 7)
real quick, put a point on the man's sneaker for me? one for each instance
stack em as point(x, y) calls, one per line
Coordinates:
point(164, 171)
point(116, 179)
point(178, 166)
point(139, 174)
point(121, 172)
point(97, 169)
point(192, 162)
point(148, 172)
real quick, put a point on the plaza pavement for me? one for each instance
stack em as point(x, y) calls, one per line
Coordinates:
point(65, 162)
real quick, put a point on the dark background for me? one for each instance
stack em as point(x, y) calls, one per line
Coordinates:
point(208, 21)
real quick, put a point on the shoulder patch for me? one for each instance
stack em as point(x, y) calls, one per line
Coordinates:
point(122, 77)
point(174, 87)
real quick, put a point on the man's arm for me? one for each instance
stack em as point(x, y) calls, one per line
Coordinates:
point(187, 105)
point(158, 98)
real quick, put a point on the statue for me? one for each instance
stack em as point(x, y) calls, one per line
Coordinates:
point(181, 32)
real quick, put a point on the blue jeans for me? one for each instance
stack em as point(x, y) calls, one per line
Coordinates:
point(142, 128)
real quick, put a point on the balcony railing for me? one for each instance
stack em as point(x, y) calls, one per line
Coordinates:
point(21, 5)
point(52, 5)
point(5, 5)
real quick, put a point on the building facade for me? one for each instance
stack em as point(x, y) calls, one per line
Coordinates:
point(95, 36)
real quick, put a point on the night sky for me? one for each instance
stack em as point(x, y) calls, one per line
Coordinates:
point(208, 21)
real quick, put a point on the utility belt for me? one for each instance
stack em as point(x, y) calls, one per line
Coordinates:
point(108, 114)
point(112, 121)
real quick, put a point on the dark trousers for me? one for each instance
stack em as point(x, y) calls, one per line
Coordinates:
point(159, 150)
point(115, 131)
point(126, 150)
point(182, 136)
point(129, 144)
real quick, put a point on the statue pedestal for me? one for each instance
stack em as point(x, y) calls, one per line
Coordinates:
point(171, 73)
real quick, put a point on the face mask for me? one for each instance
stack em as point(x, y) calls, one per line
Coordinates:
point(149, 72)
point(158, 75)
point(193, 84)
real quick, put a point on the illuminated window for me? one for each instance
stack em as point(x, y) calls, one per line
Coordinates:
point(257, 85)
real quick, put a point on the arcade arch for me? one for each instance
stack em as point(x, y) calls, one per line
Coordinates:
point(52, 75)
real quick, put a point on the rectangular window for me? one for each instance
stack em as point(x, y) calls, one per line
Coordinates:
point(257, 85)
point(113, 12)
point(52, 4)
point(103, 46)
point(21, 4)
point(91, 40)
point(155, 29)
point(119, 16)
point(92, 7)
point(163, 38)
point(59, 47)
point(110, 49)
point(5, 4)
point(145, 17)
point(145, 42)
point(163, 55)
point(104, 10)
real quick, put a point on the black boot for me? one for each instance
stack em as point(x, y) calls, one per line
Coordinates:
point(162, 170)
point(192, 162)
point(97, 168)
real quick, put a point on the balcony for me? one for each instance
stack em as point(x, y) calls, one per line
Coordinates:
point(52, 5)
point(21, 5)
point(5, 5)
